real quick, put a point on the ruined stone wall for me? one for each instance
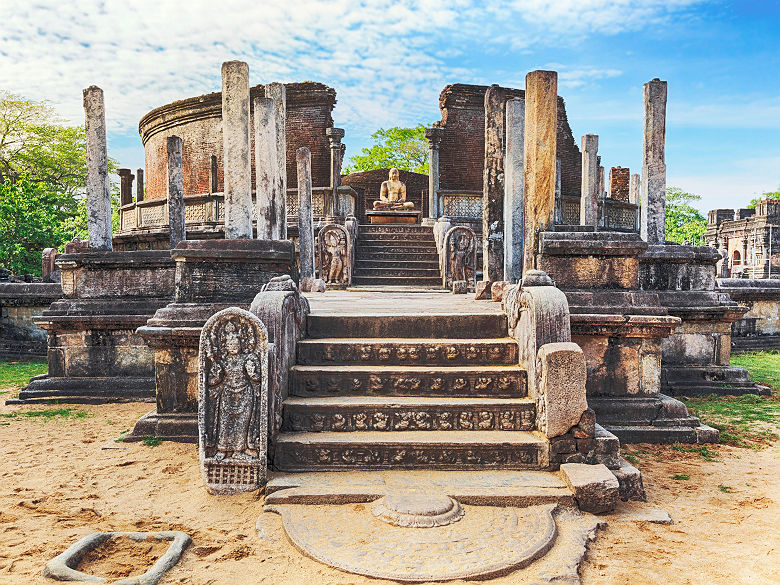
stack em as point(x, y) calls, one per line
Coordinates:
point(462, 150)
point(618, 183)
point(198, 122)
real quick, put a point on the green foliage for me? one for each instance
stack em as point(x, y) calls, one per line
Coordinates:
point(48, 414)
point(726, 489)
point(767, 195)
point(43, 170)
point(403, 148)
point(684, 223)
point(681, 477)
point(14, 375)
point(706, 453)
point(152, 441)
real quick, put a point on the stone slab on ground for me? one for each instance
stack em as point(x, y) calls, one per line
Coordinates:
point(539, 544)
point(63, 566)
point(639, 512)
point(499, 488)
point(595, 487)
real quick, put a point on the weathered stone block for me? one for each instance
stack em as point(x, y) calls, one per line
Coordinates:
point(497, 290)
point(595, 487)
point(560, 396)
point(483, 290)
point(630, 480)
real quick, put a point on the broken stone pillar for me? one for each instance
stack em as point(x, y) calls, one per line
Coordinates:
point(514, 181)
point(125, 186)
point(541, 124)
point(653, 186)
point(434, 136)
point(175, 191)
point(305, 214)
point(266, 166)
point(558, 193)
point(236, 150)
point(213, 175)
point(98, 188)
point(333, 208)
point(139, 185)
point(493, 187)
point(278, 198)
point(633, 195)
point(589, 195)
point(233, 402)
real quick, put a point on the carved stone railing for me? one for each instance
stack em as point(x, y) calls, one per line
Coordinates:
point(209, 208)
point(457, 204)
point(619, 215)
point(570, 211)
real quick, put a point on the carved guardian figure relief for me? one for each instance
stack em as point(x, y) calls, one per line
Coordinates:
point(460, 259)
point(334, 247)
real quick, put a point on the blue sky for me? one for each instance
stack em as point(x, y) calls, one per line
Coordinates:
point(388, 61)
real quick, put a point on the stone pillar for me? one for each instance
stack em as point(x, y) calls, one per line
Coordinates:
point(175, 192)
point(334, 137)
point(139, 185)
point(236, 150)
point(305, 213)
point(493, 187)
point(589, 195)
point(278, 199)
point(558, 213)
point(653, 189)
point(633, 196)
point(514, 181)
point(541, 124)
point(125, 186)
point(434, 136)
point(98, 188)
point(213, 175)
point(266, 167)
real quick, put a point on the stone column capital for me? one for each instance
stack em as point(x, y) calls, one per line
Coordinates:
point(334, 136)
point(434, 136)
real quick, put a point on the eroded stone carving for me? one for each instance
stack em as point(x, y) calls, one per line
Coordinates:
point(335, 246)
point(460, 263)
point(233, 401)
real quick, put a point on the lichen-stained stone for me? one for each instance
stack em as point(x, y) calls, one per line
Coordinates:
point(233, 401)
point(561, 389)
point(98, 188)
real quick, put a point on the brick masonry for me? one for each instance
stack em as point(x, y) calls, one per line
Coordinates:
point(198, 121)
point(462, 150)
point(619, 178)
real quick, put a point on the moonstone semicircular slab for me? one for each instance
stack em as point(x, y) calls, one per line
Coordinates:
point(487, 542)
point(417, 510)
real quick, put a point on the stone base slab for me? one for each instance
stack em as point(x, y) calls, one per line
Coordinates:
point(706, 380)
point(44, 389)
point(378, 217)
point(181, 427)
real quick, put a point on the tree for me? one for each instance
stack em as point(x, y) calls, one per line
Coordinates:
point(684, 223)
point(767, 195)
point(403, 148)
point(43, 169)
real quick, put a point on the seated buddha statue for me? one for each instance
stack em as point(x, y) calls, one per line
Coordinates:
point(392, 194)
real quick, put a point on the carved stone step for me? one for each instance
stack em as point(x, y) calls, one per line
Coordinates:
point(375, 256)
point(411, 263)
point(411, 449)
point(396, 236)
point(403, 243)
point(410, 352)
point(425, 326)
point(373, 413)
point(474, 381)
point(385, 271)
point(397, 281)
point(403, 228)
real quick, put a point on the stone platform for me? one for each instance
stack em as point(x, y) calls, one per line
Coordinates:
point(393, 216)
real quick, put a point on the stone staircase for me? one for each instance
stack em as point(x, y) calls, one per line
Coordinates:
point(396, 254)
point(432, 391)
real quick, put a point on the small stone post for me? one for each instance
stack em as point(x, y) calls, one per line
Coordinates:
point(125, 186)
point(334, 138)
point(98, 188)
point(514, 181)
point(653, 189)
point(139, 185)
point(305, 214)
point(541, 126)
point(589, 195)
point(213, 175)
point(633, 196)
point(434, 136)
point(558, 213)
point(265, 166)
point(278, 198)
point(493, 187)
point(175, 191)
point(236, 150)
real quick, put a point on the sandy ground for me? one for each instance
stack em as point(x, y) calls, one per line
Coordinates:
point(58, 484)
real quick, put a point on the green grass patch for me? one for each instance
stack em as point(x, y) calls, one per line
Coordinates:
point(152, 441)
point(706, 453)
point(764, 366)
point(681, 477)
point(14, 375)
point(749, 421)
point(48, 413)
point(726, 489)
